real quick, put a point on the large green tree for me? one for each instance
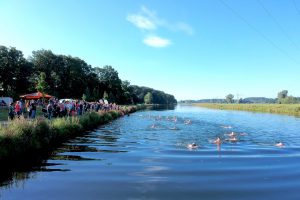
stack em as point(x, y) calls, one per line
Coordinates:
point(148, 99)
point(229, 98)
point(110, 82)
point(15, 71)
point(67, 76)
point(282, 95)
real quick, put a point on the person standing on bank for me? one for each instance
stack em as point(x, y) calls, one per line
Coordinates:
point(18, 109)
point(11, 111)
point(49, 110)
point(33, 110)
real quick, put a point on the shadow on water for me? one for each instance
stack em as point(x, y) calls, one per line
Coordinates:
point(17, 175)
point(161, 107)
point(11, 176)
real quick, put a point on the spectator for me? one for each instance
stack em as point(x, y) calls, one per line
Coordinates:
point(11, 111)
point(18, 109)
point(33, 110)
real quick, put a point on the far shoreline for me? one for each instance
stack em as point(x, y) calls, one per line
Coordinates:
point(283, 109)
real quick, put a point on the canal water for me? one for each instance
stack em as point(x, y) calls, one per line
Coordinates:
point(146, 156)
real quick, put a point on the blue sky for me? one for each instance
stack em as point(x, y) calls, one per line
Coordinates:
point(193, 49)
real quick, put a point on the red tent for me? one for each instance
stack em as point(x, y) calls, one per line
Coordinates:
point(37, 95)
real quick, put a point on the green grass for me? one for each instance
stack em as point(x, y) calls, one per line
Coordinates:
point(26, 138)
point(3, 113)
point(286, 109)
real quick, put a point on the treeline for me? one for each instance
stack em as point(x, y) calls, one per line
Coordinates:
point(282, 98)
point(69, 77)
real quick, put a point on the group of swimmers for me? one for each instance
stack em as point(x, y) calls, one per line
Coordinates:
point(231, 137)
point(172, 119)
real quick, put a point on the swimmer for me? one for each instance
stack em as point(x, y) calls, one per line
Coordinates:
point(192, 146)
point(174, 128)
point(175, 119)
point(234, 139)
point(232, 134)
point(279, 144)
point(227, 127)
point(187, 122)
point(218, 141)
point(153, 126)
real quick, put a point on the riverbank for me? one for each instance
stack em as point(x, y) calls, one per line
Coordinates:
point(285, 109)
point(24, 139)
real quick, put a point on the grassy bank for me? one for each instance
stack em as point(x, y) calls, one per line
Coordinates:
point(23, 138)
point(286, 109)
point(3, 113)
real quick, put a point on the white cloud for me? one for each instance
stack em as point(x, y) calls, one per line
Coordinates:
point(149, 21)
point(141, 22)
point(185, 28)
point(156, 41)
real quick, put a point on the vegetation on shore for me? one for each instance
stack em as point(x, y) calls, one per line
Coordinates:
point(287, 109)
point(23, 138)
point(3, 114)
point(68, 77)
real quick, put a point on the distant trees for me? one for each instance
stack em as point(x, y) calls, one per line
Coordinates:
point(290, 100)
point(282, 94)
point(148, 99)
point(159, 97)
point(229, 98)
point(68, 77)
point(283, 98)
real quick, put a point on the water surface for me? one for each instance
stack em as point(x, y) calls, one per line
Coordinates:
point(145, 156)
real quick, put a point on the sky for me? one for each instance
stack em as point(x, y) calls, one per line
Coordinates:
point(193, 49)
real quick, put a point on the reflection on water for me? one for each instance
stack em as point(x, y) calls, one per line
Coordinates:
point(70, 157)
point(148, 156)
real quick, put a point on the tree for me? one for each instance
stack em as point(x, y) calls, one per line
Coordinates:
point(282, 95)
point(240, 100)
point(96, 94)
point(105, 95)
point(42, 85)
point(229, 98)
point(84, 98)
point(110, 82)
point(148, 99)
point(15, 71)
point(290, 100)
point(86, 95)
point(68, 77)
point(127, 93)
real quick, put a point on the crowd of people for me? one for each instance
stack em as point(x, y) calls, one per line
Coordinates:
point(55, 108)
